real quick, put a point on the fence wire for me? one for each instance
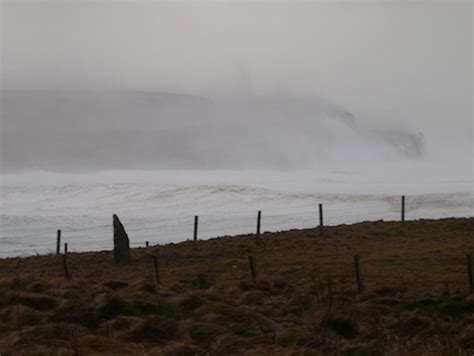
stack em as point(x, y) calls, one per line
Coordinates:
point(178, 226)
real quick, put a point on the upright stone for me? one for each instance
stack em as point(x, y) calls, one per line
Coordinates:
point(121, 243)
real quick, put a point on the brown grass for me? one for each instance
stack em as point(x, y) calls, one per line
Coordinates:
point(305, 301)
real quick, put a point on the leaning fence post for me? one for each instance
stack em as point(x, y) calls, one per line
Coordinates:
point(253, 271)
point(321, 223)
point(470, 271)
point(259, 220)
point(58, 243)
point(65, 248)
point(155, 265)
point(403, 208)
point(359, 275)
point(66, 270)
point(196, 220)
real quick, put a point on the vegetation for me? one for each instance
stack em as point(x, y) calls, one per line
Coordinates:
point(304, 301)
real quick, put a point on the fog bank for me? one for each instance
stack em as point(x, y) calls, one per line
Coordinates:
point(86, 131)
point(361, 86)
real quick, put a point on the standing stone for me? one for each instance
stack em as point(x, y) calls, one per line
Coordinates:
point(121, 243)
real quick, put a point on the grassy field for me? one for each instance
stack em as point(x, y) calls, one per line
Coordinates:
point(304, 301)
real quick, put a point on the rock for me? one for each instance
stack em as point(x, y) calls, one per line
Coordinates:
point(121, 243)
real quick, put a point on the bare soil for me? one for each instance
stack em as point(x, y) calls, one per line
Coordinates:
point(304, 301)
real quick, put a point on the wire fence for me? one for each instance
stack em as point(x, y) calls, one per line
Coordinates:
point(163, 227)
point(178, 226)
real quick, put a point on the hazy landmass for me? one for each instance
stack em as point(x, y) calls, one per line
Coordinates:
point(91, 130)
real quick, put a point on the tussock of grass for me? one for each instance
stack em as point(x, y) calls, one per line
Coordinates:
point(363, 350)
point(203, 333)
point(32, 300)
point(155, 305)
point(20, 315)
point(413, 324)
point(154, 329)
point(114, 285)
point(190, 303)
point(345, 327)
point(78, 311)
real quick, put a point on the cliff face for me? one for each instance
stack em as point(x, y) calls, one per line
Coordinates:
point(143, 130)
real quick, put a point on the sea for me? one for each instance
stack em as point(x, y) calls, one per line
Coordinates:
point(160, 206)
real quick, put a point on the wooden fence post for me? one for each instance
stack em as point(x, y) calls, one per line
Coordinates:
point(66, 270)
point(252, 268)
point(259, 220)
point(157, 273)
point(470, 271)
point(147, 244)
point(65, 248)
point(321, 223)
point(58, 243)
point(359, 275)
point(403, 208)
point(196, 220)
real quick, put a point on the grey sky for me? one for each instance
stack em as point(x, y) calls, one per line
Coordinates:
point(390, 63)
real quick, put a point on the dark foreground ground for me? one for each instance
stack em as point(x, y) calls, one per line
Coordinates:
point(304, 300)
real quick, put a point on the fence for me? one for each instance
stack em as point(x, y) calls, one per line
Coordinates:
point(358, 271)
point(318, 217)
point(166, 226)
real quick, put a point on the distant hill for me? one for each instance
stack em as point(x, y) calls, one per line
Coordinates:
point(87, 130)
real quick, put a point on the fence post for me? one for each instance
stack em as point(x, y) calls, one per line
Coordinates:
point(259, 219)
point(196, 220)
point(65, 248)
point(359, 275)
point(66, 270)
point(321, 223)
point(252, 268)
point(147, 244)
point(470, 271)
point(58, 243)
point(403, 208)
point(157, 273)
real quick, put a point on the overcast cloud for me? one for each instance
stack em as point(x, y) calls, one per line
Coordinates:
point(391, 64)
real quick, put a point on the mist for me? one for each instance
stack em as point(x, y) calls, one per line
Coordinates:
point(89, 86)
